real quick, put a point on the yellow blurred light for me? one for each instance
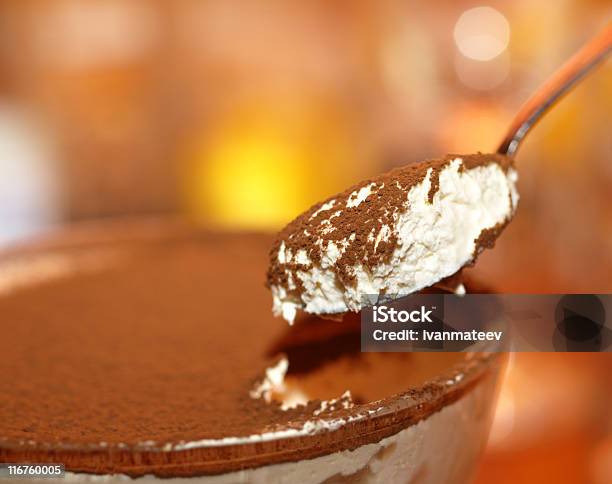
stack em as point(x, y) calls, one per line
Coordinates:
point(246, 174)
point(482, 33)
point(263, 165)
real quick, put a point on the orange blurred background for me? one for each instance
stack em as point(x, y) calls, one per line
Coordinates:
point(243, 114)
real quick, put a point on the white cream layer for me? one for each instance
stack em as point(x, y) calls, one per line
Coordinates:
point(435, 240)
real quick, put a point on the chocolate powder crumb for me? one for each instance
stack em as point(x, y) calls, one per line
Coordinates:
point(487, 238)
point(357, 228)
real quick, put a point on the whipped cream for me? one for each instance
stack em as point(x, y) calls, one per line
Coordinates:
point(433, 237)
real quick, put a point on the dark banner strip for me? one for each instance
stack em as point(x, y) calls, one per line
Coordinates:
point(488, 322)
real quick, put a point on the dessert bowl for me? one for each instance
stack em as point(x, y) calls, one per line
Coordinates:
point(132, 351)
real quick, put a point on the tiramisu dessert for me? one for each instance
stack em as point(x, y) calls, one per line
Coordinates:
point(149, 353)
point(396, 234)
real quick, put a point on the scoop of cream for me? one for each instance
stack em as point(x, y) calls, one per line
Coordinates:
point(395, 234)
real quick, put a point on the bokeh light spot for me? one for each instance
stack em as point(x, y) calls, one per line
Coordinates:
point(482, 33)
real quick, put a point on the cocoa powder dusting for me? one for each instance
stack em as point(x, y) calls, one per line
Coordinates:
point(357, 229)
point(487, 238)
point(107, 371)
point(142, 352)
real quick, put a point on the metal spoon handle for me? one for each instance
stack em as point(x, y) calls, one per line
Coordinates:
point(552, 90)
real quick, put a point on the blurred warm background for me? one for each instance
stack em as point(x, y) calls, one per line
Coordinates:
point(242, 114)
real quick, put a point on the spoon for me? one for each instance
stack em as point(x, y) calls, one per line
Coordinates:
point(559, 84)
point(414, 227)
